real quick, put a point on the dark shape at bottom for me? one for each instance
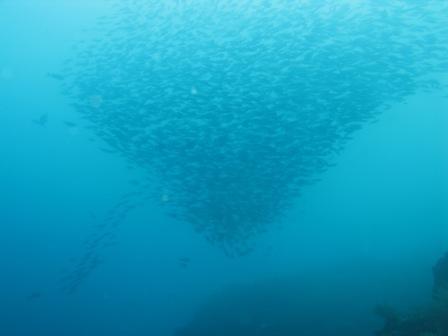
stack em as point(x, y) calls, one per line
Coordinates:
point(430, 321)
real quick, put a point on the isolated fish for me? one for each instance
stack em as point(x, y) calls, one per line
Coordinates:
point(42, 120)
point(70, 124)
point(55, 76)
point(34, 296)
point(184, 262)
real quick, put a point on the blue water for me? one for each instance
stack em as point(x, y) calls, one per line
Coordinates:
point(104, 232)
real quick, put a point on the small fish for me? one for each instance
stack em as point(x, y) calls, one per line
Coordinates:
point(55, 76)
point(184, 262)
point(134, 182)
point(34, 296)
point(93, 216)
point(42, 120)
point(70, 124)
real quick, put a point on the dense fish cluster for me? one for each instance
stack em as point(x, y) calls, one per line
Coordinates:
point(236, 105)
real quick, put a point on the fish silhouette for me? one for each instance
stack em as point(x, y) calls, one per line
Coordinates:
point(184, 262)
point(42, 120)
point(70, 124)
point(34, 296)
point(55, 76)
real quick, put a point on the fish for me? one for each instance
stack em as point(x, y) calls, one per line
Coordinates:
point(235, 125)
point(184, 262)
point(70, 124)
point(56, 76)
point(42, 120)
point(34, 296)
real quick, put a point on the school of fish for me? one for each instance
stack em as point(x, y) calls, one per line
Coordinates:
point(233, 106)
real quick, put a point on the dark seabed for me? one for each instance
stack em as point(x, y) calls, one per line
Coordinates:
point(223, 168)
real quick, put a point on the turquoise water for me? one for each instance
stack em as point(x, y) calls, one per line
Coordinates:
point(220, 167)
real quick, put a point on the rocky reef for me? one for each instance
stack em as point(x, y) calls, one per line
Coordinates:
point(287, 305)
point(429, 321)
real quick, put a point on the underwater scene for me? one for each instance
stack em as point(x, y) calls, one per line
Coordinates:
point(224, 167)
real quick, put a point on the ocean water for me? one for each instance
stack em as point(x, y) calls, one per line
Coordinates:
point(223, 168)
